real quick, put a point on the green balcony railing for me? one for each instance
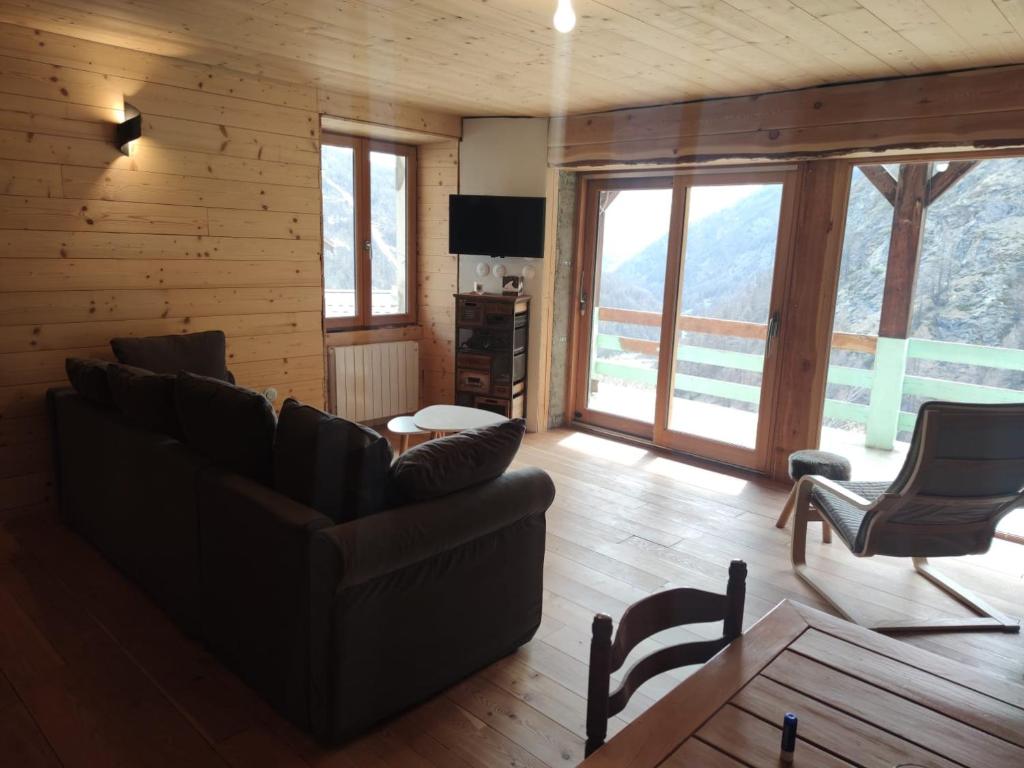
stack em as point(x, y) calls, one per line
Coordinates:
point(886, 381)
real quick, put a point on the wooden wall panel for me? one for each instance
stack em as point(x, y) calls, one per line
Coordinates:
point(71, 150)
point(80, 84)
point(438, 271)
point(42, 307)
point(169, 189)
point(232, 142)
point(213, 222)
point(389, 114)
point(52, 336)
point(129, 245)
point(100, 274)
point(89, 215)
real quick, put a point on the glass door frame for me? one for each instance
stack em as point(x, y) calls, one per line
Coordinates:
point(586, 288)
point(757, 458)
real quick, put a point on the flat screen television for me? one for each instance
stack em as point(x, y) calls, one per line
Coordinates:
point(494, 225)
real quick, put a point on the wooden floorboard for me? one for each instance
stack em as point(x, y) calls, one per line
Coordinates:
point(93, 673)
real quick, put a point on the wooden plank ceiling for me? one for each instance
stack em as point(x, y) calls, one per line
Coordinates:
point(480, 57)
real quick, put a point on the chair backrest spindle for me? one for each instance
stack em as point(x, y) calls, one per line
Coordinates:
point(735, 597)
point(599, 681)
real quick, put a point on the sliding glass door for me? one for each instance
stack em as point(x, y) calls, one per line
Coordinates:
point(622, 293)
point(678, 303)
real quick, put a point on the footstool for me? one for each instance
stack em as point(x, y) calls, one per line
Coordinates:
point(812, 462)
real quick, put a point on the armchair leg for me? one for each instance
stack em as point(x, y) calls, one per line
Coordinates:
point(802, 506)
point(805, 514)
point(988, 618)
point(787, 511)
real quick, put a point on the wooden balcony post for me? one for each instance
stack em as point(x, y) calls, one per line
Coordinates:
point(908, 213)
point(886, 393)
point(910, 203)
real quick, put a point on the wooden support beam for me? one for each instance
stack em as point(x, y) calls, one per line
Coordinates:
point(809, 308)
point(882, 180)
point(976, 108)
point(904, 249)
point(940, 183)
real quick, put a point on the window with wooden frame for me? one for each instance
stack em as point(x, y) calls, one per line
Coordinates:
point(369, 232)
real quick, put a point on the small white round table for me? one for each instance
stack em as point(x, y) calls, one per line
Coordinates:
point(404, 426)
point(440, 419)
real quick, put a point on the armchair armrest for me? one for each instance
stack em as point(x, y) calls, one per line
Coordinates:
point(835, 489)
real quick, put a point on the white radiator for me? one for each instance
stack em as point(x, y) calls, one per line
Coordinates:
point(376, 381)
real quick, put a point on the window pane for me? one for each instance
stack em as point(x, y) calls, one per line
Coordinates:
point(388, 221)
point(965, 335)
point(632, 248)
point(731, 231)
point(339, 232)
point(858, 311)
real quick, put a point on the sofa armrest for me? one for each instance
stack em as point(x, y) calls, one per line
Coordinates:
point(273, 511)
point(408, 601)
point(254, 550)
point(361, 550)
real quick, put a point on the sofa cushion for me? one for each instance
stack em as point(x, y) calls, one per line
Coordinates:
point(89, 378)
point(145, 398)
point(200, 353)
point(230, 425)
point(440, 467)
point(336, 466)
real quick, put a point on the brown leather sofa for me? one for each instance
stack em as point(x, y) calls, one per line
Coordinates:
point(338, 626)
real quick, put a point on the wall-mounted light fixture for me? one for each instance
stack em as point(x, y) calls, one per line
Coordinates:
point(129, 129)
point(565, 17)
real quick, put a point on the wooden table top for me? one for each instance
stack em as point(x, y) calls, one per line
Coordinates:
point(862, 699)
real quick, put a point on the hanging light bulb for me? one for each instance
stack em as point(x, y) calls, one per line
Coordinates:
point(565, 17)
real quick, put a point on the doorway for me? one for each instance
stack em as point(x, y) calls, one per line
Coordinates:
point(678, 309)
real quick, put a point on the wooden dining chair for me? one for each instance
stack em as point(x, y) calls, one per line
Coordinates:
point(671, 608)
point(963, 472)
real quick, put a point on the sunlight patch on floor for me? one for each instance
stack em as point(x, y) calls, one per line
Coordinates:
point(704, 478)
point(599, 447)
point(630, 455)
